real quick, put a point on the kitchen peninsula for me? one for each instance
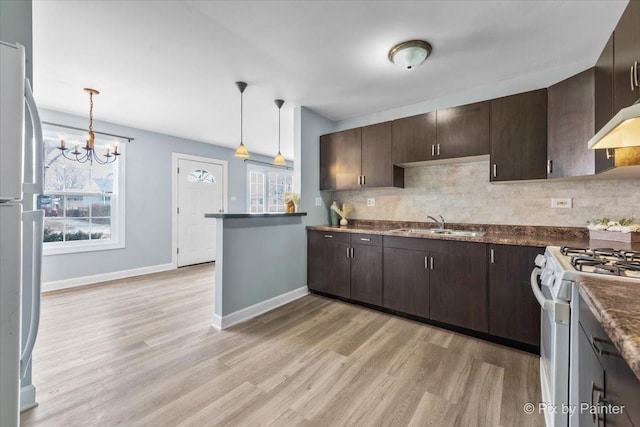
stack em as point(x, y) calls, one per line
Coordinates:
point(253, 266)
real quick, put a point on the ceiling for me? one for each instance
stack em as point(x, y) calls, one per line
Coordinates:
point(170, 66)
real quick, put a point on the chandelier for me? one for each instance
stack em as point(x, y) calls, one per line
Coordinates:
point(89, 154)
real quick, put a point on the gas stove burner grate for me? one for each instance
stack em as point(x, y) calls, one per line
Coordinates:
point(608, 252)
point(571, 250)
point(632, 255)
point(628, 265)
point(611, 269)
point(586, 260)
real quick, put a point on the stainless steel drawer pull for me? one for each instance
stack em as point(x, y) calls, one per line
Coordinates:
point(633, 86)
point(433, 150)
point(549, 166)
point(365, 240)
point(348, 253)
point(438, 149)
point(597, 345)
point(495, 170)
point(328, 236)
point(426, 263)
point(431, 262)
point(493, 256)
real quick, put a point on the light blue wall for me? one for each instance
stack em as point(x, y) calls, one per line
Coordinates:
point(148, 200)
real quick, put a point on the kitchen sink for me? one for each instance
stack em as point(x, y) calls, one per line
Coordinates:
point(441, 231)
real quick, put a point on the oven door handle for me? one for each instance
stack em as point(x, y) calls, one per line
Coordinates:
point(561, 310)
point(546, 304)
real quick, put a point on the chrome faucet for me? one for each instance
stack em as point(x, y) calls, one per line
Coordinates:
point(441, 223)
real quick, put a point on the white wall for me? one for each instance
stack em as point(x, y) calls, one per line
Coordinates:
point(148, 201)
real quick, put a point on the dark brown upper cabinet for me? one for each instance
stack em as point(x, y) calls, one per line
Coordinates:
point(462, 131)
point(358, 158)
point(340, 160)
point(626, 57)
point(519, 137)
point(413, 138)
point(571, 117)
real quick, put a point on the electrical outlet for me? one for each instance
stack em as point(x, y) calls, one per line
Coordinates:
point(234, 198)
point(371, 201)
point(318, 201)
point(562, 203)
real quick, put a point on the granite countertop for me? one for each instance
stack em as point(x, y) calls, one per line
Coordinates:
point(616, 305)
point(254, 215)
point(499, 234)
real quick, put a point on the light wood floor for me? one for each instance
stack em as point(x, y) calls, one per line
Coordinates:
point(141, 352)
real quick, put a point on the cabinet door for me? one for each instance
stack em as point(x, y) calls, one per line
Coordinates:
point(377, 166)
point(458, 285)
point(366, 274)
point(591, 380)
point(514, 312)
point(340, 160)
point(414, 138)
point(570, 118)
point(519, 136)
point(626, 51)
point(328, 262)
point(406, 282)
point(463, 131)
point(604, 101)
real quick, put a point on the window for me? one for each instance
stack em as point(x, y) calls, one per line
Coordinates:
point(82, 202)
point(265, 186)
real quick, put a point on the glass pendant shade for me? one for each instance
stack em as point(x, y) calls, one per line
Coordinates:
point(279, 160)
point(241, 152)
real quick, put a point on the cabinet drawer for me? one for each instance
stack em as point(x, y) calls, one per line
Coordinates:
point(339, 236)
point(412, 243)
point(366, 239)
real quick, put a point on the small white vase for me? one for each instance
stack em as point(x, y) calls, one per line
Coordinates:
point(344, 221)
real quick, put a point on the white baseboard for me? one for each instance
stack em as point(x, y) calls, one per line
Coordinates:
point(104, 277)
point(226, 321)
point(28, 398)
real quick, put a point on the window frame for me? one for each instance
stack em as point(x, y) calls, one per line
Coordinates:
point(265, 169)
point(117, 203)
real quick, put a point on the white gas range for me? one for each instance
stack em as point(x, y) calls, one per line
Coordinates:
point(552, 282)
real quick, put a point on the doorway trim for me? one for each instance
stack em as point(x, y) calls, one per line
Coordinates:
point(174, 194)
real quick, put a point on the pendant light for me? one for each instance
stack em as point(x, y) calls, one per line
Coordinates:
point(241, 151)
point(279, 159)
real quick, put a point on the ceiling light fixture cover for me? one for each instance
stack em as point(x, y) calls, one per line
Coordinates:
point(279, 159)
point(410, 54)
point(241, 151)
point(623, 130)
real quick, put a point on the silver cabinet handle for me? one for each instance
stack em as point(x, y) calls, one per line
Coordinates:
point(549, 166)
point(328, 236)
point(495, 170)
point(365, 240)
point(426, 263)
point(348, 253)
point(433, 150)
point(635, 73)
point(359, 183)
point(352, 252)
point(431, 263)
point(493, 256)
point(438, 149)
point(633, 86)
point(363, 179)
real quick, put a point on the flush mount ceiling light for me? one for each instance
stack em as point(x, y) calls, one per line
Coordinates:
point(241, 151)
point(410, 54)
point(279, 159)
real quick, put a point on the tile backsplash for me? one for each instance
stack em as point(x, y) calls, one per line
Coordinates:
point(462, 193)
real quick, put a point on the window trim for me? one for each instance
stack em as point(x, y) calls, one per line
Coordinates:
point(117, 240)
point(266, 170)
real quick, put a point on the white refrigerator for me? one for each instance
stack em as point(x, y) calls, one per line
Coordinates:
point(20, 230)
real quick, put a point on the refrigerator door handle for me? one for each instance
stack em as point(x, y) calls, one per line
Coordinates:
point(37, 186)
point(35, 219)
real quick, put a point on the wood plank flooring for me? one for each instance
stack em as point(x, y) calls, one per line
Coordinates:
point(141, 352)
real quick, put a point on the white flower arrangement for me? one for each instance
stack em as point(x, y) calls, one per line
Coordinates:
point(625, 225)
point(290, 196)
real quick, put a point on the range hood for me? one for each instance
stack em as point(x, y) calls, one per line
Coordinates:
point(622, 131)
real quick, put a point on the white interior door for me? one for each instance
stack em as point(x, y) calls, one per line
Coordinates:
point(200, 191)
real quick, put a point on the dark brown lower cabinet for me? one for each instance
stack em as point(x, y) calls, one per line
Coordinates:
point(406, 281)
point(366, 274)
point(328, 263)
point(598, 357)
point(458, 285)
point(514, 313)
